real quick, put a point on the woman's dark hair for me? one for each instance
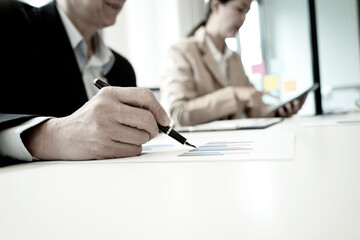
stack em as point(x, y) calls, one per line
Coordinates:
point(203, 22)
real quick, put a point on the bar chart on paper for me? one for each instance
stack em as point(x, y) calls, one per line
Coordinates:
point(219, 148)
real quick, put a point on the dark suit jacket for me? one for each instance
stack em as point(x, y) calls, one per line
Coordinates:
point(39, 75)
point(39, 72)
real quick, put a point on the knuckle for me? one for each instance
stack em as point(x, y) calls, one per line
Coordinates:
point(145, 138)
point(109, 92)
point(148, 117)
point(134, 150)
point(98, 105)
point(147, 94)
point(104, 91)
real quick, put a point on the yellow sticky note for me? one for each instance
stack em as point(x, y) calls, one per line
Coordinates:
point(271, 82)
point(290, 85)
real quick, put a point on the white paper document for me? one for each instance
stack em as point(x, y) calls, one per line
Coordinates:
point(331, 122)
point(232, 146)
point(234, 124)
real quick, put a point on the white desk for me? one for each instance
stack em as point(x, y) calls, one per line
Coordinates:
point(314, 196)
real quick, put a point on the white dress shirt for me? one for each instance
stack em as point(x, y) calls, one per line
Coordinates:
point(220, 58)
point(98, 65)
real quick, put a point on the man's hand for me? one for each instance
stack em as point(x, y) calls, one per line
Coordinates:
point(114, 123)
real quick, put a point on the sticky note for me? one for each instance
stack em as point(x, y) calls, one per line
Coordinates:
point(259, 68)
point(271, 82)
point(290, 85)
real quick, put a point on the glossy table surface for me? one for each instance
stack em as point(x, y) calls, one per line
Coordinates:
point(316, 195)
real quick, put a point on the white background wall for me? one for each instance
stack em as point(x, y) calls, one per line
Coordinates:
point(141, 32)
point(287, 44)
point(36, 3)
point(339, 52)
point(145, 29)
point(287, 39)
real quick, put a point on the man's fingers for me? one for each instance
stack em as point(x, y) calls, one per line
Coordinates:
point(141, 98)
point(136, 117)
point(129, 135)
point(114, 150)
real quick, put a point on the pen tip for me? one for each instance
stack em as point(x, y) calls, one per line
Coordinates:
point(189, 144)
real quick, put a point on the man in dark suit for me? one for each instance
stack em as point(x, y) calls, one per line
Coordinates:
point(49, 108)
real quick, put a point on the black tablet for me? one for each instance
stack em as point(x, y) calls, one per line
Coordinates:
point(299, 97)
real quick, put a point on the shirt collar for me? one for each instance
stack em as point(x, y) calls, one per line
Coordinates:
point(102, 56)
point(74, 34)
point(218, 56)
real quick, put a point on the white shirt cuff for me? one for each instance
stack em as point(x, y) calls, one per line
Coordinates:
point(11, 144)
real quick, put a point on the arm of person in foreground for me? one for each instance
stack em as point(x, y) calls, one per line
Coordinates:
point(113, 124)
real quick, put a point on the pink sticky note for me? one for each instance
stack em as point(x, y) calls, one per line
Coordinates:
point(259, 68)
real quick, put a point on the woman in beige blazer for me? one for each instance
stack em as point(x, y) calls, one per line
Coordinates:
point(203, 80)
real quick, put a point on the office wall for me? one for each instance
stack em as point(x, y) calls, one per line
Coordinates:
point(145, 29)
point(339, 53)
point(286, 43)
point(36, 3)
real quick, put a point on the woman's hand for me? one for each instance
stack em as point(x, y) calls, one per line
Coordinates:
point(249, 96)
point(291, 108)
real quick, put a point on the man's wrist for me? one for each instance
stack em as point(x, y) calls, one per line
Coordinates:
point(12, 144)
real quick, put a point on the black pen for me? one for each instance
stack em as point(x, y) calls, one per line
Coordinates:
point(165, 129)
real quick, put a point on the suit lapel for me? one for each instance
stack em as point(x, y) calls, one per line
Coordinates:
point(208, 59)
point(237, 75)
point(213, 68)
point(55, 38)
point(233, 74)
point(55, 41)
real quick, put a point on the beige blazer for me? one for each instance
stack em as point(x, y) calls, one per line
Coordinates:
point(192, 88)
